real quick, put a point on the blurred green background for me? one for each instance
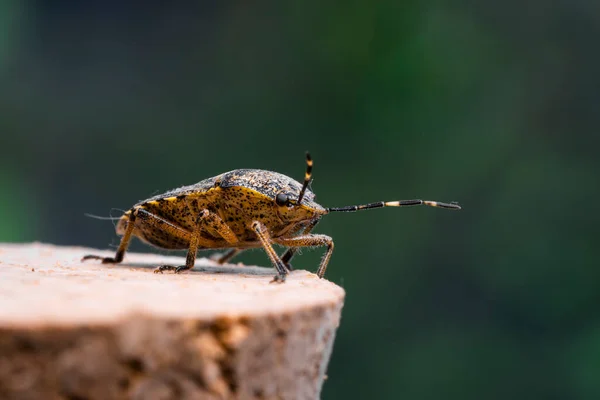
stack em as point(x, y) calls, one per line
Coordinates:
point(495, 105)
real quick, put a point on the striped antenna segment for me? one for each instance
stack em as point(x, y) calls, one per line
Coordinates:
point(400, 203)
point(307, 176)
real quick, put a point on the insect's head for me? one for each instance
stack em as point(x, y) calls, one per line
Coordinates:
point(290, 209)
point(296, 205)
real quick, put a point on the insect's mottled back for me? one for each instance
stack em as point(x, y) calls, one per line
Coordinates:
point(268, 183)
point(199, 187)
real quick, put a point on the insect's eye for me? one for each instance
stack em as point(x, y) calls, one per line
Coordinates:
point(281, 199)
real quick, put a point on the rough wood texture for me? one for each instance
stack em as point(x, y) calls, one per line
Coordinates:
point(72, 330)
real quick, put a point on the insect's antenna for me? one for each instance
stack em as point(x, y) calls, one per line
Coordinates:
point(400, 203)
point(307, 176)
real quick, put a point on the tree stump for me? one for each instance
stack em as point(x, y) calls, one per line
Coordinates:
point(73, 330)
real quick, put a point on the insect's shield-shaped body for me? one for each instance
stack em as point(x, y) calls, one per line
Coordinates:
point(237, 210)
point(239, 198)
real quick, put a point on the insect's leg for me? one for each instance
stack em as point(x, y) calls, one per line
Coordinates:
point(190, 259)
point(214, 221)
point(289, 253)
point(205, 218)
point(146, 220)
point(265, 239)
point(228, 256)
point(287, 256)
point(311, 240)
point(122, 246)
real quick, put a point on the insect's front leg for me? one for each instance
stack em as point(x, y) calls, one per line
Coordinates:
point(289, 253)
point(311, 240)
point(205, 218)
point(122, 246)
point(265, 239)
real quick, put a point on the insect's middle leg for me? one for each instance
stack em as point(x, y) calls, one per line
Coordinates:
point(311, 240)
point(205, 219)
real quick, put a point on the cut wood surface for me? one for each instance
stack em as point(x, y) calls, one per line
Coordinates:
point(91, 331)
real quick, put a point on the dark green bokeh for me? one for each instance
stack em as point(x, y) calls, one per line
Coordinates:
point(493, 104)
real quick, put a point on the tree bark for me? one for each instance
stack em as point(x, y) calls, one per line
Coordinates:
point(73, 330)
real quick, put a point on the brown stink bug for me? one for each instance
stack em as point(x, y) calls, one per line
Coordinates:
point(237, 210)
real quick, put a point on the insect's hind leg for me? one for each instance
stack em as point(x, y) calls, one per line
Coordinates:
point(122, 246)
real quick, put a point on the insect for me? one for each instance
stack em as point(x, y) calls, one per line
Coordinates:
point(237, 210)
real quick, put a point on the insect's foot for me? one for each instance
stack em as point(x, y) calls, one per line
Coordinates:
point(91, 257)
point(163, 268)
point(105, 260)
point(181, 268)
point(278, 279)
